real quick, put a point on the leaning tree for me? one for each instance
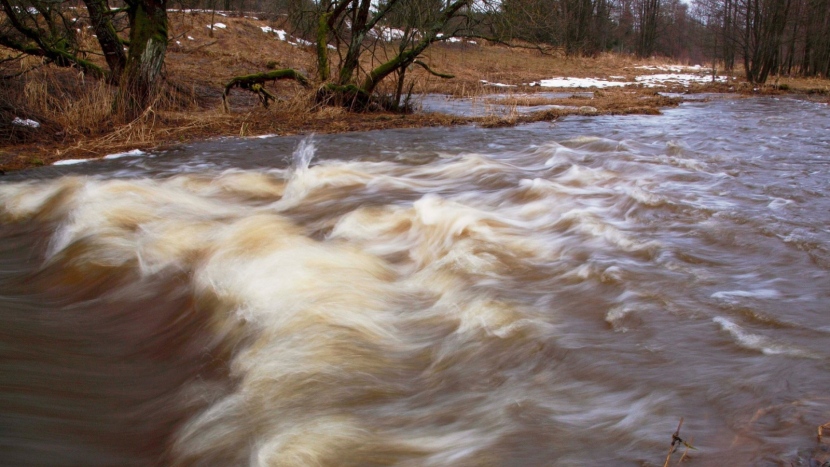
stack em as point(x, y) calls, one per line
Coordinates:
point(48, 29)
point(345, 30)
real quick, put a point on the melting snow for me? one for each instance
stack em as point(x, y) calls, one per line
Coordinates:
point(676, 78)
point(134, 152)
point(498, 85)
point(71, 161)
point(27, 122)
point(218, 25)
point(674, 68)
point(279, 32)
point(391, 34)
point(578, 83)
point(300, 42)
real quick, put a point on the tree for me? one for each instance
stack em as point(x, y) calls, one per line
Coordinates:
point(352, 25)
point(42, 29)
point(148, 45)
point(764, 22)
point(649, 13)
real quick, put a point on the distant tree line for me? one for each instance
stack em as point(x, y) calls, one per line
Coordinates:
point(769, 36)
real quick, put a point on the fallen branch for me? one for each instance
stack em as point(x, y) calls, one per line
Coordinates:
point(254, 83)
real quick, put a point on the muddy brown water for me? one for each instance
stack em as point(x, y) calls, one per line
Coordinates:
point(542, 295)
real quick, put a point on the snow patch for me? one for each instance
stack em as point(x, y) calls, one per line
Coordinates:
point(27, 122)
point(391, 34)
point(676, 78)
point(578, 83)
point(672, 68)
point(217, 26)
point(299, 42)
point(498, 85)
point(279, 32)
point(71, 161)
point(133, 153)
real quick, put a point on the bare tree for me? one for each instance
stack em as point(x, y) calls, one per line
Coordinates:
point(351, 25)
point(648, 15)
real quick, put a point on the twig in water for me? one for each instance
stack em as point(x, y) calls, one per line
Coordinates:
point(691, 440)
point(676, 440)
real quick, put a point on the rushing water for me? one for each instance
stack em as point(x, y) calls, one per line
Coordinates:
point(543, 295)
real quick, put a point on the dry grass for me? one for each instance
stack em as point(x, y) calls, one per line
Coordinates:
point(77, 119)
point(615, 101)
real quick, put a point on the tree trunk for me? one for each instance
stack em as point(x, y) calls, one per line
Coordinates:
point(148, 44)
point(107, 38)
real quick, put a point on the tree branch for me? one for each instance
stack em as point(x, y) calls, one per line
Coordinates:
point(433, 72)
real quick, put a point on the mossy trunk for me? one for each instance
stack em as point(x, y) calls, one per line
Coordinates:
point(148, 44)
point(99, 16)
point(359, 32)
point(404, 59)
point(322, 47)
point(255, 81)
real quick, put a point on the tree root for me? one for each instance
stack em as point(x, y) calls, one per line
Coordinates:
point(349, 96)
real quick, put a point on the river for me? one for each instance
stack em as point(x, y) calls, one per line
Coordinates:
point(551, 294)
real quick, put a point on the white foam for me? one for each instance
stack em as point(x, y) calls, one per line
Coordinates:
point(758, 342)
point(764, 294)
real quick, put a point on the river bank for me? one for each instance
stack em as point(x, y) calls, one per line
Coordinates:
point(73, 116)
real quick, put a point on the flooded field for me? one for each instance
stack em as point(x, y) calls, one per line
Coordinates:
point(551, 294)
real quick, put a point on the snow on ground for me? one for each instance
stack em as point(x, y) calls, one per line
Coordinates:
point(391, 34)
point(71, 161)
point(281, 34)
point(684, 79)
point(578, 83)
point(220, 13)
point(27, 122)
point(133, 153)
point(218, 25)
point(300, 42)
point(672, 68)
point(651, 81)
point(498, 85)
